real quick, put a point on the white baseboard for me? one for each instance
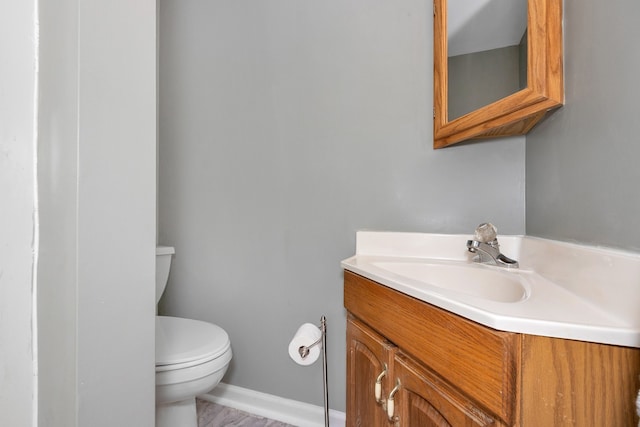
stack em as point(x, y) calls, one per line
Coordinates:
point(276, 408)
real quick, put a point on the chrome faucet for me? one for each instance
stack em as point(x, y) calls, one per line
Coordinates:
point(487, 249)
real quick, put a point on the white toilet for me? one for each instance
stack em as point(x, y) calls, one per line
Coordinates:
point(191, 358)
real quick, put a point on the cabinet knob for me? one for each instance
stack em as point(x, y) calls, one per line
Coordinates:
point(378, 386)
point(391, 403)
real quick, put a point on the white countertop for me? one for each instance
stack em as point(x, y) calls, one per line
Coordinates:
point(572, 291)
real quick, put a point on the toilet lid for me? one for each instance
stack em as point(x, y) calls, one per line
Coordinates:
point(181, 340)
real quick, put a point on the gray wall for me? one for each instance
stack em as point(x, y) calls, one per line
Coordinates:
point(582, 163)
point(285, 127)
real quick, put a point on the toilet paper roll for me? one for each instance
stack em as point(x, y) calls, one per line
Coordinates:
point(306, 335)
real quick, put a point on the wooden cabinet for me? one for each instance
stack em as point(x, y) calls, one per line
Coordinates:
point(449, 371)
point(425, 400)
point(421, 398)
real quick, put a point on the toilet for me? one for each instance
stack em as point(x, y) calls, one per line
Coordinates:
point(191, 357)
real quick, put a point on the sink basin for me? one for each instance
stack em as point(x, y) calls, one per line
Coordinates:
point(561, 290)
point(486, 283)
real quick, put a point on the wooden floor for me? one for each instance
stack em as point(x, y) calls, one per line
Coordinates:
point(214, 415)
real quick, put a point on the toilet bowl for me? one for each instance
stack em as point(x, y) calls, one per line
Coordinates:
point(191, 358)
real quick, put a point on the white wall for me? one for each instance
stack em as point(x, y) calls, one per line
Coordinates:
point(116, 212)
point(18, 218)
point(58, 204)
point(96, 155)
point(285, 127)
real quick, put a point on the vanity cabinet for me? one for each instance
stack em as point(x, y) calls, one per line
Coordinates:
point(444, 370)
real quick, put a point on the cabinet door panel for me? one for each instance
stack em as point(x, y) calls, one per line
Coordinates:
point(425, 400)
point(421, 413)
point(368, 355)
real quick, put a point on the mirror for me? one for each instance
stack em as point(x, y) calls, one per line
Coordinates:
point(486, 52)
point(497, 67)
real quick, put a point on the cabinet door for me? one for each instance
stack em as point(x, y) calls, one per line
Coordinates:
point(425, 400)
point(368, 356)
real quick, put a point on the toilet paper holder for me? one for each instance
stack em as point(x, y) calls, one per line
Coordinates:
point(304, 352)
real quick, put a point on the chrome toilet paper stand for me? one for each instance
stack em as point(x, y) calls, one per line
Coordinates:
point(304, 352)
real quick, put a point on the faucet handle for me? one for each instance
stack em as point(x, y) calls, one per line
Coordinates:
point(486, 232)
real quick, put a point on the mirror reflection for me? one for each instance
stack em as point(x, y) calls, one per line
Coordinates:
point(487, 52)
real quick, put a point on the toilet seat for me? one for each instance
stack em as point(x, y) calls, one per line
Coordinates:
point(183, 343)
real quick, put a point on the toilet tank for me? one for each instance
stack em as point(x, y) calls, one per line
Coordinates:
point(163, 264)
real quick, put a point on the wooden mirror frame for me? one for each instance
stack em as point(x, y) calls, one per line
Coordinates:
point(515, 114)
